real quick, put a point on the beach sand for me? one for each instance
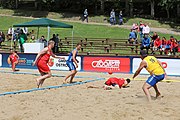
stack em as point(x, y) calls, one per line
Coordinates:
point(81, 103)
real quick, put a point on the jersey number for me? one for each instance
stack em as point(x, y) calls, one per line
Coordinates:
point(152, 60)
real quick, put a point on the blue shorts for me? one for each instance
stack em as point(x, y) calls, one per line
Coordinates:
point(153, 79)
point(70, 65)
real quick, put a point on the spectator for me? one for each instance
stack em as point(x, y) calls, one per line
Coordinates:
point(43, 40)
point(174, 46)
point(1, 39)
point(112, 17)
point(9, 35)
point(56, 43)
point(25, 30)
point(22, 40)
point(15, 38)
point(146, 29)
point(153, 38)
point(85, 15)
point(168, 46)
point(133, 26)
point(145, 43)
point(53, 39)
point(157, 45)
point(32, 39)
point(120, 18)
point(136, 27)
point(141, 25)
point(163, 45)
point(132, 37)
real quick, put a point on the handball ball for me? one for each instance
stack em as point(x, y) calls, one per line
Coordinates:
point(110, 72)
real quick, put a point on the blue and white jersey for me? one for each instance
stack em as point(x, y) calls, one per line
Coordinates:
point(70, 58)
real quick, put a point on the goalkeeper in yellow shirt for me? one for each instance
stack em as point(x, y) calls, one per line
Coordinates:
point(156, 70)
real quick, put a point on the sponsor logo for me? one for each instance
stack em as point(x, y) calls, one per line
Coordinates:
point(164, 64)
point(24, 61)
point(106, 64)
point(61, 63)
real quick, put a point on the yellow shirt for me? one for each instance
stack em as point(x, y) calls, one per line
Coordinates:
point(153, 66)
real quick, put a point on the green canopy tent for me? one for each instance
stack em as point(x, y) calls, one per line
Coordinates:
point(45, 22)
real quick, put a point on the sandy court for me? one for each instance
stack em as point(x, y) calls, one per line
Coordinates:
point(80, 103)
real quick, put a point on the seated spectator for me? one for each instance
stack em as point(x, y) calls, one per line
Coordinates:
point(163, 45)
point(153, 38)
point(32, 39)
point(157, 45)
point(132, 37)
point(174, 46)
point(168, 46)
point(145, 43)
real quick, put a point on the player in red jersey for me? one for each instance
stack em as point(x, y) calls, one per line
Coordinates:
point(42, 60)
point(13, 60)
point(116, 83)
point(113, 83)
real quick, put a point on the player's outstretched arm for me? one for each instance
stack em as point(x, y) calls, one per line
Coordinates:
point(141, 66)
point(55, 56)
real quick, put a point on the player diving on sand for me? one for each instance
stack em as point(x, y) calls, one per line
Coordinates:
point(113, 83)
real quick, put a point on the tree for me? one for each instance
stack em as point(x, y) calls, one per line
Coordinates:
point(152, 7)
point(167, 5)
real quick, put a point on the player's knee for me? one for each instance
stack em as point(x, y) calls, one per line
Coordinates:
point(144, 87)
point(74, 72)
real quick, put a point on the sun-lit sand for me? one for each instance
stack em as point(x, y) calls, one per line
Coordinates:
point(81, 103)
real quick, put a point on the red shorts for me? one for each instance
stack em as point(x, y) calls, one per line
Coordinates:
point(43, 67)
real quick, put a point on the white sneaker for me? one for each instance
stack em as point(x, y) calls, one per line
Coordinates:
point(169, 53)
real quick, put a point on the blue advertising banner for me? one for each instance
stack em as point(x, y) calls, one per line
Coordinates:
point(25, 61)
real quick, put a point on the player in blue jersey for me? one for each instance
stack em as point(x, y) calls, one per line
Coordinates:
point(70, 63)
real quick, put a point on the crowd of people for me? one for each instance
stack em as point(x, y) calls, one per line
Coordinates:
point(140, 34)
point(22, 35)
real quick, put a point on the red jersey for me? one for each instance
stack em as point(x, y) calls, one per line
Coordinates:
point(174, 44)
point(164, 42)
point(118, 81)
point(13, 58)
point(43, 61)
point(168, 42)
point(157, 42)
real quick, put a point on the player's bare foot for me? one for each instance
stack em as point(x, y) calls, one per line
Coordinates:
point(64, 82)
point(71, 81)
point(158, 95)
point(37, 83)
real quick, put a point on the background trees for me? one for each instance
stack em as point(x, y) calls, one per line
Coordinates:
point(151, 8)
